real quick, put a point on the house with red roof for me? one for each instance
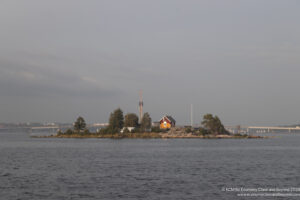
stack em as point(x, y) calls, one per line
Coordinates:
point(167, 122)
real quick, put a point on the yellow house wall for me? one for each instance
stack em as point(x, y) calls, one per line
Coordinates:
point(163, 126)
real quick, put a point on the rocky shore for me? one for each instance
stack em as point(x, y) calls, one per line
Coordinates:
point(171, 134)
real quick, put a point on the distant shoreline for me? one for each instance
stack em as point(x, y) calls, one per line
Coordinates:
point(153, 136)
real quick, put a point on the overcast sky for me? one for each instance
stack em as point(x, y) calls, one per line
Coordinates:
point(237, 59)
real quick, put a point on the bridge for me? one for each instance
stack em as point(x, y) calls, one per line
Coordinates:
point(267, 129)
point(52, 129)
point(270, 128)
point(44, 127)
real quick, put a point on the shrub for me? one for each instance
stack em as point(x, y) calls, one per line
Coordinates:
point(86, 132)
point(108, 130)
point(240, 135)
point(203, 131)
point(126, 130)
point(136, 130)
point(59, 132)
point(156, 129)
point(102, 131)
point(69, 132)
point(188, 130)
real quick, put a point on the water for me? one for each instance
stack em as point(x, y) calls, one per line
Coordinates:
point(40, 168)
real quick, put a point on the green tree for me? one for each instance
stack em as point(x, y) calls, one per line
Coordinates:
point(116, 121)
point(80, 124)
point(131, 120)
point(213, 124)
point(146, 122)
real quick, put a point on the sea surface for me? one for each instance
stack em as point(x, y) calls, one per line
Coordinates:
point(56, 168)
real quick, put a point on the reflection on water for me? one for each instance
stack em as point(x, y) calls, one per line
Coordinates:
point(40, 168)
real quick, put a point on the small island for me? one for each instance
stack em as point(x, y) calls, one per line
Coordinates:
point(128, 126)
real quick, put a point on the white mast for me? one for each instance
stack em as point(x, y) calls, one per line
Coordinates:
point(192, 115)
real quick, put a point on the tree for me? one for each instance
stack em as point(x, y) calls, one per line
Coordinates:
point(116, 121)
point(146, 122)
point(131, 120)
point(80, 124)
point(213, 124)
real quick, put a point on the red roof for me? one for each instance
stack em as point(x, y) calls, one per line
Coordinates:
point(168, 119)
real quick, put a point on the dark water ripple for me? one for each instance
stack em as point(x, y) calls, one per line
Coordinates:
point(143, 169)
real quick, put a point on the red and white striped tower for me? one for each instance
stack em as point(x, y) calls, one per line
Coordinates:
point(141, 106)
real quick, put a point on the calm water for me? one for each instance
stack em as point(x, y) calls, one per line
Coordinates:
point(32, 168)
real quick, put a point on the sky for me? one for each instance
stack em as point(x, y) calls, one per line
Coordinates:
point(236, 59)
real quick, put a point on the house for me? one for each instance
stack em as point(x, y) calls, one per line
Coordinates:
point(167, 122)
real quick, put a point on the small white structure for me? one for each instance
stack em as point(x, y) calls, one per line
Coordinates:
point(129, 128)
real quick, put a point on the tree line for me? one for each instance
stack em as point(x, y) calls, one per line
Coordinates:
point(117, 123)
